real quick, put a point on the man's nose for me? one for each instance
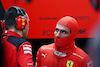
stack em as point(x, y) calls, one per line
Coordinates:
point(58, 34)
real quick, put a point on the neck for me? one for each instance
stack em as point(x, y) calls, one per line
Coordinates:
point(67, 49)
point(17, 31)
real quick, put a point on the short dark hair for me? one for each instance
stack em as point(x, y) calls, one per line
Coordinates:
point(10, 16)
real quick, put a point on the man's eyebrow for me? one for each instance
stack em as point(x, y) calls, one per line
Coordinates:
point(56, 28)
point(64, 30)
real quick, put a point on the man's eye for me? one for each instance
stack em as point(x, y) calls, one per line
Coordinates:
point(56, 29)
point(64, 32)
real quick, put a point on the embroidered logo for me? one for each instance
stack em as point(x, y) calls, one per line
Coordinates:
point(61, 54)
point(44, 55)
point(69, 63)
point(90, 64)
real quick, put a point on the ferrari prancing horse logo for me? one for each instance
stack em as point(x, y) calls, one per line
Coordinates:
point(69, 63)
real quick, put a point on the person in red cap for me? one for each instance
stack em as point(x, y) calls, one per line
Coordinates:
point(17, 51)
point(63, 53)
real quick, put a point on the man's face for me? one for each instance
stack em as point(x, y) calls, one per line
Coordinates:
point(62, 31)
point(25, 31)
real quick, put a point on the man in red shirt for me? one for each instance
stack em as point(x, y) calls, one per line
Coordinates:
point(63, 53)
point(17, 51)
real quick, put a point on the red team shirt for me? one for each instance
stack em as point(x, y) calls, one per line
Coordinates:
point(16, 55)
point(47, 56)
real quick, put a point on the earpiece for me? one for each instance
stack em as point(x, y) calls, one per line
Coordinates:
point(20, 19)
point(21, 22)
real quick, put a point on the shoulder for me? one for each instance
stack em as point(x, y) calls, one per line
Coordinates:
point(49, 46)
point(18, 41)
point(80, 53)
point(15, 40)
point(83, 58)
point(46, 47)
point(25, 44)
point(25, 47)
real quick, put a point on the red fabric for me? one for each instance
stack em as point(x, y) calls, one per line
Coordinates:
point(69, 22)
point(47, 58)
point(11, 33)
point(3, 25)
point(12, 57)
point(61, 45)
point(24, 60)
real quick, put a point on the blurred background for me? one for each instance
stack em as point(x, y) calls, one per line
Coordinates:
point(44, 14)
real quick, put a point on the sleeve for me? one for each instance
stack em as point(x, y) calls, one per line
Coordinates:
point(38, 58)
point(24, 55)
point(87, 62)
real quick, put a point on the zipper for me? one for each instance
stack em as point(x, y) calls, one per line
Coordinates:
point(58, 62)
point(54, 62)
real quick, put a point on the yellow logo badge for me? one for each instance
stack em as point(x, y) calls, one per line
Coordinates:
point(57, 53)
point(23, 23)
point(69, 63)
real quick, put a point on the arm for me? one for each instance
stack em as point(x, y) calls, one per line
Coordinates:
point(87, 62)
point(24, 55)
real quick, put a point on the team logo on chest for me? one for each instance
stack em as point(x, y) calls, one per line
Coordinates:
point(69, 63)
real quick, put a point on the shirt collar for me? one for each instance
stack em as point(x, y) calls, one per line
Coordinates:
point(61, 54)
point(11, 33)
